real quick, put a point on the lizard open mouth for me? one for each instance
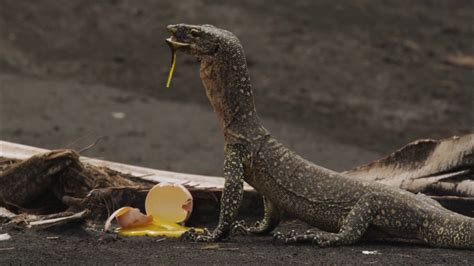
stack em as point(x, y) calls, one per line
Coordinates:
point(175, 44)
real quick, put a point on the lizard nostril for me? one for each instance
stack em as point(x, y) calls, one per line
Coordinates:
point(172, 29)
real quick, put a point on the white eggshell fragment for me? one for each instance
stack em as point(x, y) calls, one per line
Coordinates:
point(128, 217)
point(169, 202)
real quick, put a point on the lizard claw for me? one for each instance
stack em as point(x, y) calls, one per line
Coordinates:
point(189, 235)
point(320, 242)
point(290, 237)
point(278, 237)
point(286, 239)
point(324, 241)
point(193, 236)
point(240, 228)
point(291, 234)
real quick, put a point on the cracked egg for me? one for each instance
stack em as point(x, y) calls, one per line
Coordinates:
point(169, 202)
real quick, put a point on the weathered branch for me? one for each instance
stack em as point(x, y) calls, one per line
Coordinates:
point(442, 169)
point(435, 167)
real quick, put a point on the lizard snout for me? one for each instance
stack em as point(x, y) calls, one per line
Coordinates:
point(173, 29)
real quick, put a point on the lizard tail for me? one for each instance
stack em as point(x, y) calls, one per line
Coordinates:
point(449, 230)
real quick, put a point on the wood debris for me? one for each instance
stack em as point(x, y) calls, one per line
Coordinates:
point(51, 188)
point(461, 60)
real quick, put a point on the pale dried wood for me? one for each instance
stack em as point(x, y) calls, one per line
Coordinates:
point(19, 151)
point(437, 167)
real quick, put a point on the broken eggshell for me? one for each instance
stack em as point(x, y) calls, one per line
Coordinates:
point(169, 202)
point(128, 217)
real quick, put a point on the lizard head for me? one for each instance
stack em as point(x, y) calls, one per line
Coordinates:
point(223, 71)
point(200, 40)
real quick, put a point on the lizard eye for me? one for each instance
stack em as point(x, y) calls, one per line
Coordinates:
point(195, 32)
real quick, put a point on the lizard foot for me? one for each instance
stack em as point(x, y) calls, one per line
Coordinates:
point(326, 239)
point(241, 228)
point(193, 236)
point(278, 237)
point(320, 239)
point(290, 237)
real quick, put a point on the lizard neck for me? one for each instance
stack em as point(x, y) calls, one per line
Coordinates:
point(227, 83)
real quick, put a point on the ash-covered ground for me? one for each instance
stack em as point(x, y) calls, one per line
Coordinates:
point(341, 83)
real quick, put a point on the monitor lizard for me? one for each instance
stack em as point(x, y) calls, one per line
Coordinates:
point(344, 208)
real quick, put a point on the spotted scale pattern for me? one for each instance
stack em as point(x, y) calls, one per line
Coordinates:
point(235, 157)
point(342, 207)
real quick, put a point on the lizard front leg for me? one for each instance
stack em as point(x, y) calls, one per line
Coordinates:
point(271, 219)
point(235, 156)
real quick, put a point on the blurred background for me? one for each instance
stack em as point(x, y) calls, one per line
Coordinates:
point(340, 82)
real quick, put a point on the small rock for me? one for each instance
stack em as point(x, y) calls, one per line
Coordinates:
point(5, 237)
point(118, 115)
point(370, 252)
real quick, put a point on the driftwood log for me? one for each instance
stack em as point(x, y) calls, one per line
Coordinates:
point(54, 187)
point(47, 187)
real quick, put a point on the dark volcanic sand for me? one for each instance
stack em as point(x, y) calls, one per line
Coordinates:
point(341, 83)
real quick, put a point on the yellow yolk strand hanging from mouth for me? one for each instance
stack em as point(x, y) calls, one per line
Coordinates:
point(174, 46)
point(173, 64)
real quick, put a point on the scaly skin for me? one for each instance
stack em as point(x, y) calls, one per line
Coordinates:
point(344, 208)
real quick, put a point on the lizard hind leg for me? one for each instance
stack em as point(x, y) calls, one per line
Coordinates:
point(353, 227)
point(270, 220)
